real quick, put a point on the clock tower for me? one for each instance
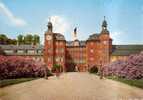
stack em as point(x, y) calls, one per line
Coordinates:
point(106, 43)
point(49, 46)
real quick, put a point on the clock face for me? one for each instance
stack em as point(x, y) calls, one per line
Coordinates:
point(48, 37)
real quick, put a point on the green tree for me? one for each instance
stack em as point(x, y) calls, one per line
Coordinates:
point(14, 41)
point(36, 39)
point(28, 39)
point(20, 39)
point(3, 39)
point(57, 68)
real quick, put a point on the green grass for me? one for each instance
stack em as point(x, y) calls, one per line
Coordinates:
point(8, 82)
point(136, 83)
point(2, 93)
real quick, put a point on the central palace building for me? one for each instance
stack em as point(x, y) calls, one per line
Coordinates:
point(96, 50)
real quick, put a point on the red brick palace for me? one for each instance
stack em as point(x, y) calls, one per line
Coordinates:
point(95, 50)
point(82, 54)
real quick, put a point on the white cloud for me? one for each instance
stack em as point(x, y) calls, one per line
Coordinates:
point(14, 20)
point(60, 24)
point(117, 37)
point(115, 34)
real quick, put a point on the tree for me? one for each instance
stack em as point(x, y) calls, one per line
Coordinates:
point(20, 39)
point(57, 69)
point(132, 68)
point(3, 39)
point(36, 39)
point(12, 67)
point(28, 39)
point(11, 41)
point(14, 41)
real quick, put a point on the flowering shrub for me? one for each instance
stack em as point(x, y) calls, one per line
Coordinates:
point(132, 68)
point(17, 67)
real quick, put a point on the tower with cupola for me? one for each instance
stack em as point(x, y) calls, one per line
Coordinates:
point(49, 46)
point(54, 48)
point(98, 47)
point(105, 43)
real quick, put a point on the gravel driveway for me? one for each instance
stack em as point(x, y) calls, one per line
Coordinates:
point(72, 86)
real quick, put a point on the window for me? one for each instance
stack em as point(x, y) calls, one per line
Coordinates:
point(61, 59)
point(15, 51)
point(49, 42)
point(10, 51)
point(91, 58)
point(61, 43)
point(91, 43)
point(49, 59)
point(56, 50)
point(105, 42)
point(57, 59)
point(61, 50)
point(91, 50)
point(49, 49)
point(22, 51)
point(57, 43)
point(37, 51)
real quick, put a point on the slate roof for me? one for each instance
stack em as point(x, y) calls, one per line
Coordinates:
point(125, 50)
point(70, 43)
point(21, 47)
point(59, 36)
point(93, 36)
point(118, 50)
point(24, 54)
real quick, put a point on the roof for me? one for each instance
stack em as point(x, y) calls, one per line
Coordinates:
point(71, 43)
point(125, 50)
point(118, 50)
point(59, 36)
point(24, 54)
point(21, 47)
point(104, 31)
point(93, 36)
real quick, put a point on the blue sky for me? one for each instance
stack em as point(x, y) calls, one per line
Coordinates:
point(124, 17)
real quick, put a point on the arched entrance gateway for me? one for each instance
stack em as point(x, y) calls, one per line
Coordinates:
point(76, 54)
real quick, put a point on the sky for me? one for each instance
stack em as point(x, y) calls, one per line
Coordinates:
point(124, 18)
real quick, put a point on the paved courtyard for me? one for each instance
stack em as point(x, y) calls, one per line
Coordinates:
point(72, 86)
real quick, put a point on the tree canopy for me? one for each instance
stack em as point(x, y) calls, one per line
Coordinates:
point(28, 39)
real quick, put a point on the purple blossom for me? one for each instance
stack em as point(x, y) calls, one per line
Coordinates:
point(132, 68)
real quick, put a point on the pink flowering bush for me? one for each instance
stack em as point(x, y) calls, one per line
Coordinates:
point(17, 67)
point(132, 68)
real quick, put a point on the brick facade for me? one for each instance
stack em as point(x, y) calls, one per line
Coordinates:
point(81, 54)
point(72, 55)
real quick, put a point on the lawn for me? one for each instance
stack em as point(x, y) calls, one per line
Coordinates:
point(136, 83)
point(8, 82)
